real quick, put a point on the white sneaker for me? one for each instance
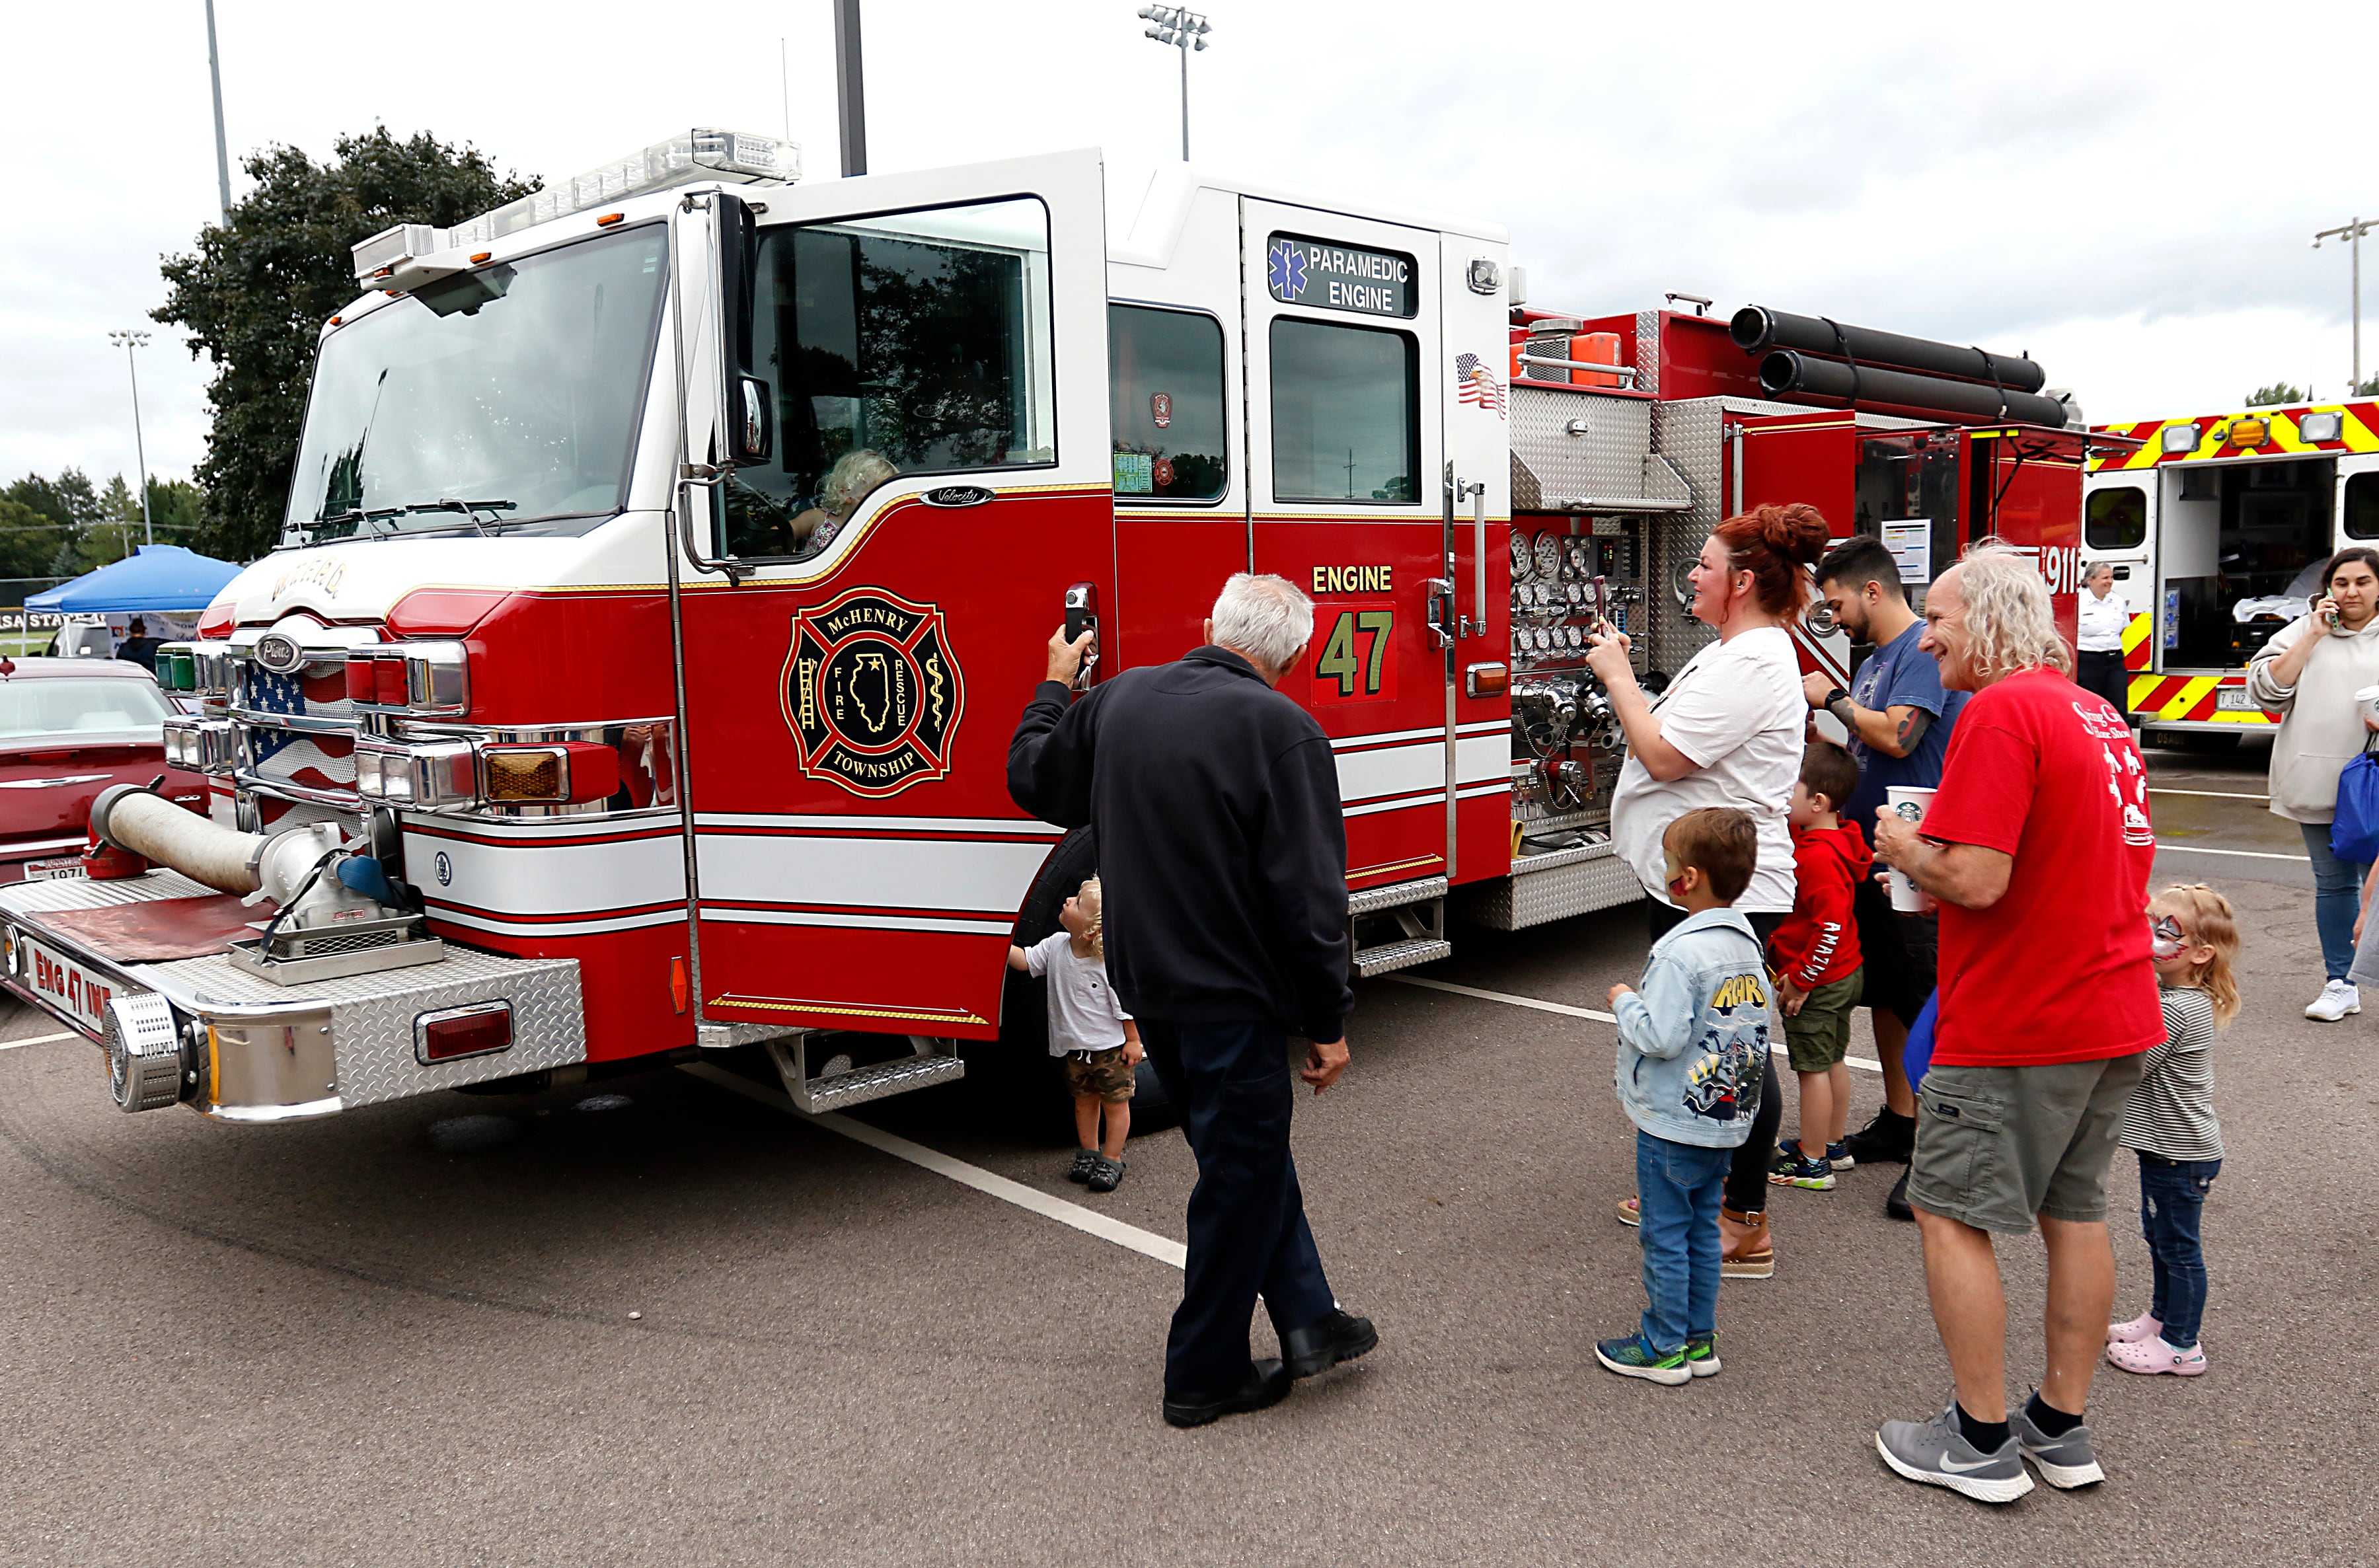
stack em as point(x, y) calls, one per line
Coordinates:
point(2337, 999)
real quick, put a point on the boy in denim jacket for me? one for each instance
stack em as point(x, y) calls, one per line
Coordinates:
point(1691, 1049)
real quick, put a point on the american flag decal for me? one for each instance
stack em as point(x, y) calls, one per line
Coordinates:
point(314, 761)
point(1474, 383)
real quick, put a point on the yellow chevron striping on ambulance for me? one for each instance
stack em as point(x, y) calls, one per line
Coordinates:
point(2250, 432)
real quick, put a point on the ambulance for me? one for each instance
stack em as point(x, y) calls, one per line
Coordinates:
point(669, 553)
point(2217, 526)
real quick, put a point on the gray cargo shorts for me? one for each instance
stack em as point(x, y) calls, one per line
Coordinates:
point(1998, 1148)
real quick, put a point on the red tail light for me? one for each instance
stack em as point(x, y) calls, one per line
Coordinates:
point(388, 682)
point(359, 678)
point(475, 1031)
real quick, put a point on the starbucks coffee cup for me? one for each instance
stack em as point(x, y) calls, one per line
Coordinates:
point(1909, 802)
point(2367, 700)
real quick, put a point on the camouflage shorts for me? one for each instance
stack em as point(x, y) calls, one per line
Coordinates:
point(1104, 1074)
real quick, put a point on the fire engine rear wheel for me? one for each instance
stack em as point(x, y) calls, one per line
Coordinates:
point(1023, 1048)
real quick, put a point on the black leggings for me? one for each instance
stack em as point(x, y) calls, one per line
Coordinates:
point(1746, 1180)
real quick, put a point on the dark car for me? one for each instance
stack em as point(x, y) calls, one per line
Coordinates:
point(68, 728)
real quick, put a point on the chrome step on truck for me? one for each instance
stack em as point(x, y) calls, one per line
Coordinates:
point(237, 1046)
point(1404, 925)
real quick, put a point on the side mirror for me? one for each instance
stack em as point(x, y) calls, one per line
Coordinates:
point(751, 426)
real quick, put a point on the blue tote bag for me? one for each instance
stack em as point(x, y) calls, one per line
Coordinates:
point(2354, 831)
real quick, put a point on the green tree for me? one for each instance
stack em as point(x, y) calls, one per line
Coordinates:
point(28, 542)
point(254, 295)
point(2274, 395)
point(2369, 387)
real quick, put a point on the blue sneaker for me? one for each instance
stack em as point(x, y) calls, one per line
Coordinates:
point(1701, 1355)
point(1838, 1156)
point(1791, 1170)
point(1633, 1357)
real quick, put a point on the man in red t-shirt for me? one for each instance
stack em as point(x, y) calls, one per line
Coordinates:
point(2038, 849)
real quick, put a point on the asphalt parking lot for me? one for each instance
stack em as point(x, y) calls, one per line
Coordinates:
point(656, 1320)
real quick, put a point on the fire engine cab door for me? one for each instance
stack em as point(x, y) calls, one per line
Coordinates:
point(1345, 453)
point(934, 352)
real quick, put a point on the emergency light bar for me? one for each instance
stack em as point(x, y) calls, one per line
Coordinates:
point(701, 154)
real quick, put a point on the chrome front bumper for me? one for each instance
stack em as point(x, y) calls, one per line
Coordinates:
point(250, 1050)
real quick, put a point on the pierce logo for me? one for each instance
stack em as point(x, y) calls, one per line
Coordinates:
point(871, 692)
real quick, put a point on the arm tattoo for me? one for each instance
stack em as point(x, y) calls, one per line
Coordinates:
point(1912, 730)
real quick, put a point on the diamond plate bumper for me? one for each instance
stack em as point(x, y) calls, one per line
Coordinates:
point(253, 1051)
point(1552, 886)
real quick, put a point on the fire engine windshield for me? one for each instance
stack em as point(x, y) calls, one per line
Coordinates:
point(501, 399)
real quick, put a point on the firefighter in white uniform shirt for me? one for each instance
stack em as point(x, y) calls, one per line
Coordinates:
point(2104, 616)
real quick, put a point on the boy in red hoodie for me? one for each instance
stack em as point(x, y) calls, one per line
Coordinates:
point(1817, 967)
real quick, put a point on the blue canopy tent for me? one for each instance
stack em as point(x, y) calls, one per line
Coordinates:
point(158, 578)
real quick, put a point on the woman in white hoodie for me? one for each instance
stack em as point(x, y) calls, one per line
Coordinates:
point(2308, 673)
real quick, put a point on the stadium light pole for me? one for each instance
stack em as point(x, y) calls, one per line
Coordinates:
point(128, 340)
point(1180, 28)
point(2351, 232)
point(222, 158)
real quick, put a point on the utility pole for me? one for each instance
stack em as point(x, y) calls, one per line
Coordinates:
point(2352, 231)
point(128, 340)
point(850, 89)
point(1179, 28)
point(222, 158)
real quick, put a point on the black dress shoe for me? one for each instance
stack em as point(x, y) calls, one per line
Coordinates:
point(1268, 1387)
point(1896, 1204)
point(1320, 1345)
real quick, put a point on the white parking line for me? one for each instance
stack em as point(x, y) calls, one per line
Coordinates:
point(1561, 1007)
point(1148, 1244)
point(2207, 794)
point(2241, 854)
point(1564, 1008)
point(39, 1040)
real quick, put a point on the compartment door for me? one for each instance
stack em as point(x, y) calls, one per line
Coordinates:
point(934, 347)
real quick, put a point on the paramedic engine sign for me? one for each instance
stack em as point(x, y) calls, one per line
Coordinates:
point(1322, 276)
point(869, 691)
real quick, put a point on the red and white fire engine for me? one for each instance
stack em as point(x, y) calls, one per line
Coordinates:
point(2217, 527)
point(668, 553)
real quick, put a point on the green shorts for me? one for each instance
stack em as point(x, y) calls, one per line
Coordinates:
point(1998, 1148)
point(1102, 1074)
point(1819, 1036)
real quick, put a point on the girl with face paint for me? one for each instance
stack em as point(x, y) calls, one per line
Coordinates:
point(2170, 1123)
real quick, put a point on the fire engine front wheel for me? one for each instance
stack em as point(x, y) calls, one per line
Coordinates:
point(1025, 1067)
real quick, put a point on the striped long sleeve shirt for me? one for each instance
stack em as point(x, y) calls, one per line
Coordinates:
point(2171, 1110)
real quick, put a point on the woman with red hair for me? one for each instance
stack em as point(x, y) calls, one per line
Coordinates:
point(1727, 731)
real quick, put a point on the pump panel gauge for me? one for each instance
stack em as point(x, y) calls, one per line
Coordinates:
point(1549, 555)
point(1523, 561)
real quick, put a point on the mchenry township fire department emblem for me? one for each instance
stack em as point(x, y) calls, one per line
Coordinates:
point(871, 692)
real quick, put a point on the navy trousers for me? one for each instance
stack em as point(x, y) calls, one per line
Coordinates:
point(1248, 1234)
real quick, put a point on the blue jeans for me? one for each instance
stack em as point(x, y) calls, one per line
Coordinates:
point(2336, 899)
point(2172, 1201)
point(1677, 1191)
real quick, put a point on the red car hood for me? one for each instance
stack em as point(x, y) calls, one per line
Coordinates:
point(46, 790)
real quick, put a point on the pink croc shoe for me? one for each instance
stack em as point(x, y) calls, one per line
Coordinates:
point(2152, 1355)
point(2144, 1326)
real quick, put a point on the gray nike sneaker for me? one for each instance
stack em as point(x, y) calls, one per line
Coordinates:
point(1937, 1453)
point(2064, 1462)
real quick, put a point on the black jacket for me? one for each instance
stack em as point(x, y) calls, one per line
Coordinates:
point(1222, 849)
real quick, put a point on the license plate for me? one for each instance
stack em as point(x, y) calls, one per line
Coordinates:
point(2232, 699)
point(68, 985)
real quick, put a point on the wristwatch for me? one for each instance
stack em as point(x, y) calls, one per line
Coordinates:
point(1836, 695)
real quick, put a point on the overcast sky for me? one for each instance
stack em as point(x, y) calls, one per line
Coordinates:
point(2127, 193)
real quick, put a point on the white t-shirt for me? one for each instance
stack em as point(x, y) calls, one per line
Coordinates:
point(1735, 710)
point(2103, 621)
point(1083, 1012)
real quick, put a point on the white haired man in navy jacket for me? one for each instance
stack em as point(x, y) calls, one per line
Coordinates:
point(1223, 854)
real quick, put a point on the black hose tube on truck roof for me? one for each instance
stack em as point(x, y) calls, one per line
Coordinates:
point(1756, 329)
point(1883, 391)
